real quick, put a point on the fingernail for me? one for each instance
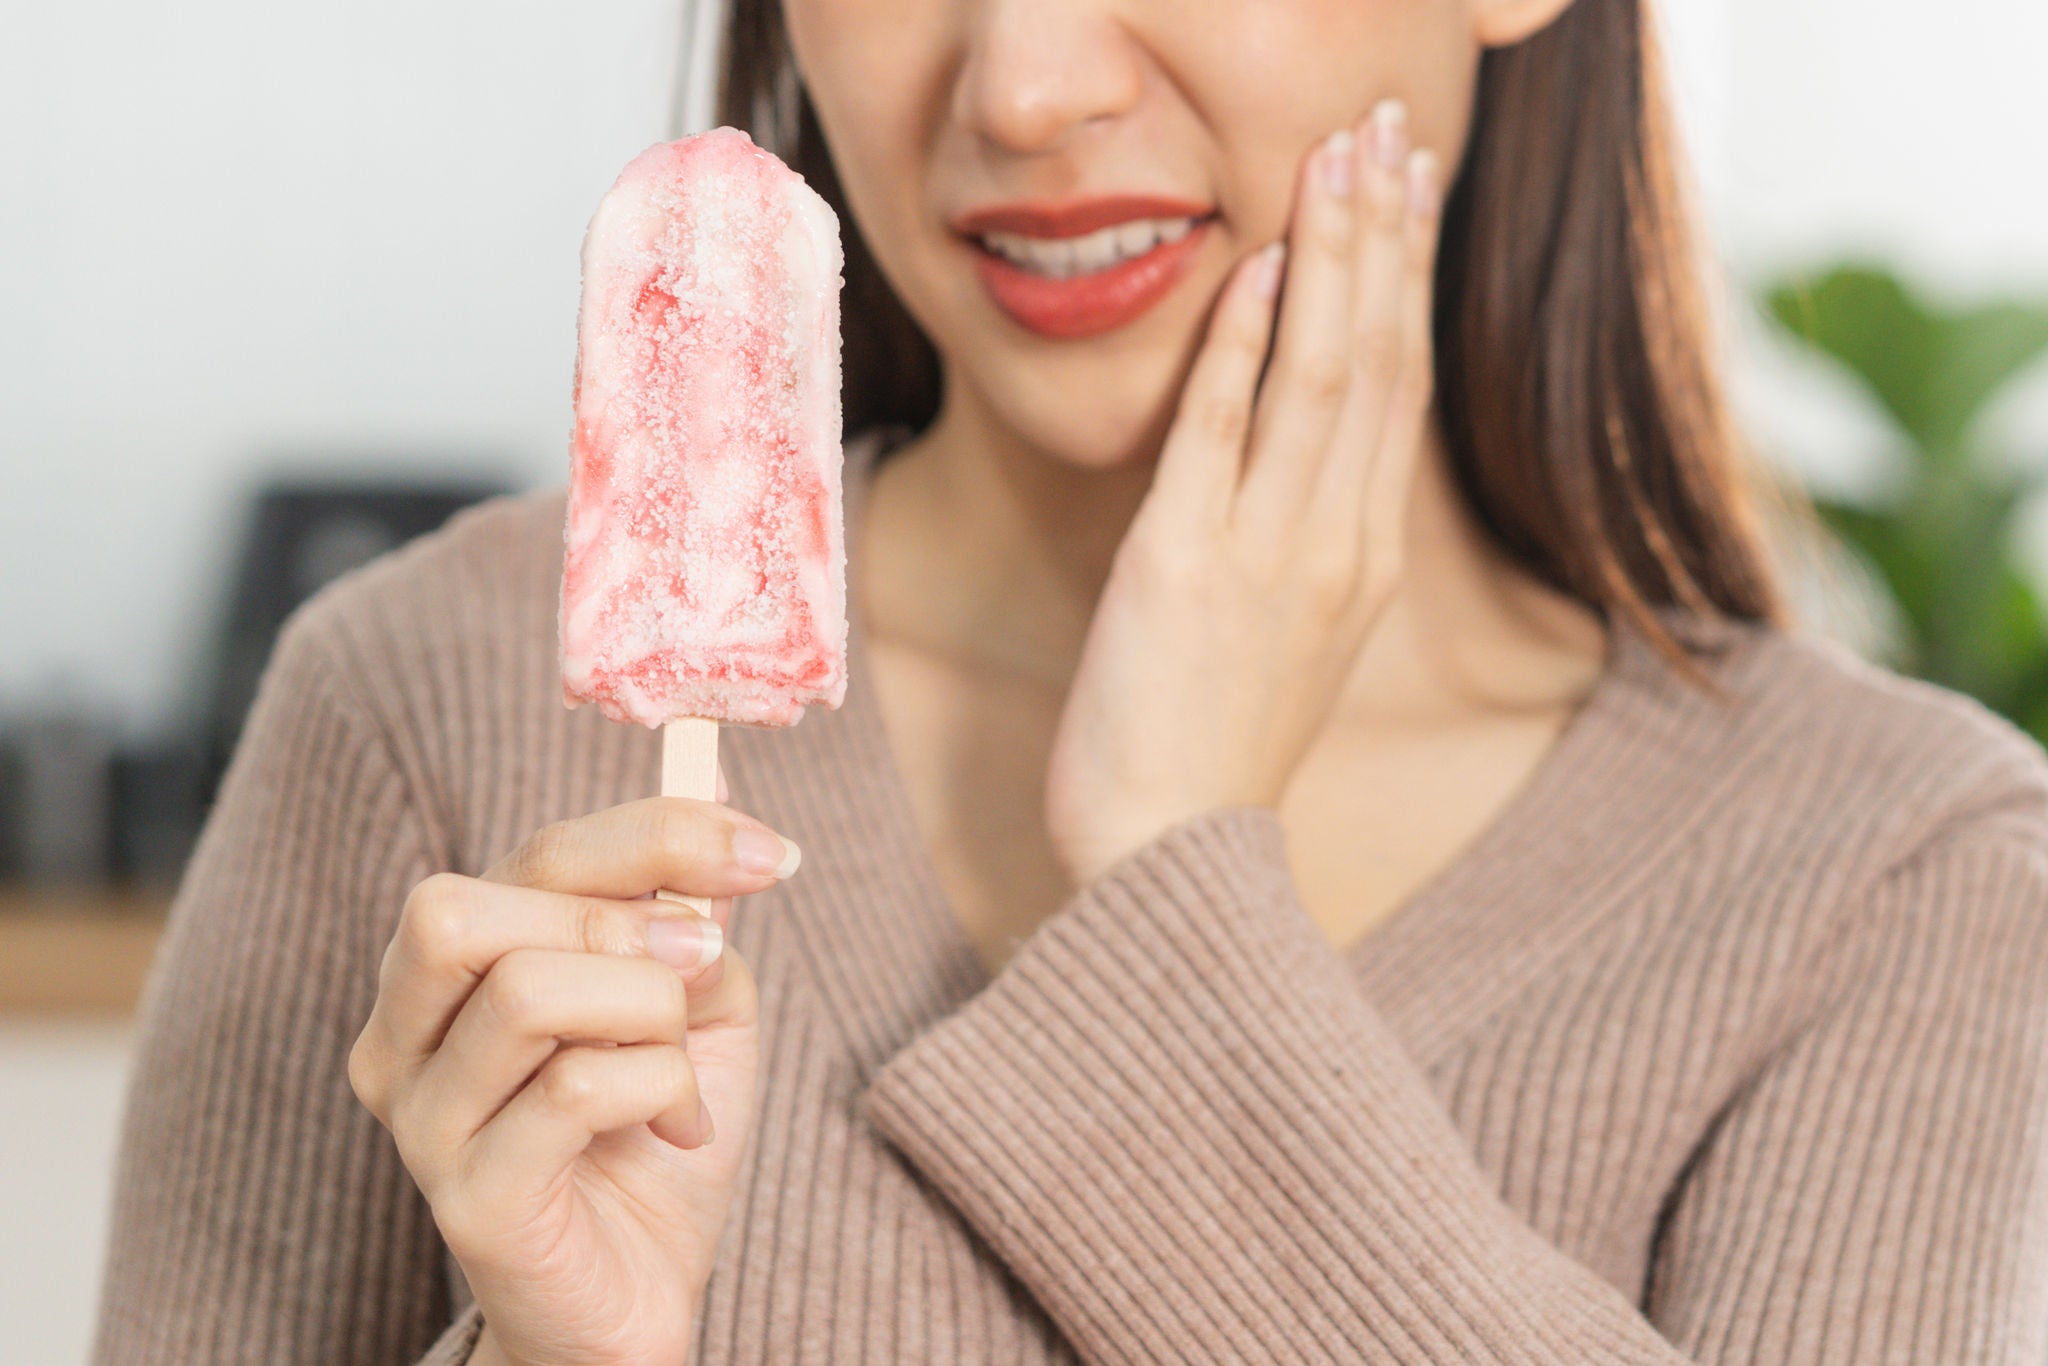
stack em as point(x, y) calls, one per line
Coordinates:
point(1337, 169)
point(1424, 195)
point(684, 941)
point(763, 851)
point(1390, 133)
point(704, 1129)
point(1266, 269)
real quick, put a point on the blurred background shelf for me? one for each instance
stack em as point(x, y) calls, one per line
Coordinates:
point(77, 952)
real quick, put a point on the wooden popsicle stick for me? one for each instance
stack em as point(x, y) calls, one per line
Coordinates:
point(689, 768)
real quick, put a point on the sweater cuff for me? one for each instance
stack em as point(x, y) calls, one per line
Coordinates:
point(1176, 1118)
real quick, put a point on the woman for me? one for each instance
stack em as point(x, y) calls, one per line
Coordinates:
point(1304, 872)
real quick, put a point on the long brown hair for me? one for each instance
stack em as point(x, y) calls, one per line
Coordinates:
point(1578, 388)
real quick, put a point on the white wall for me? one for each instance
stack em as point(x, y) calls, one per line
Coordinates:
point(238, 236)
point(60, 1107)
point(1910, 130)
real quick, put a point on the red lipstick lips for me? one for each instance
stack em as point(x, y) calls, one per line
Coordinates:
point(1097, 302)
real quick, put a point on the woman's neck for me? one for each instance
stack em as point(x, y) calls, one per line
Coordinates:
point(990, 554)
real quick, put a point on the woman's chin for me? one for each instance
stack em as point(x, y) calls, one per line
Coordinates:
point(1095, 433)
point(1098, 452)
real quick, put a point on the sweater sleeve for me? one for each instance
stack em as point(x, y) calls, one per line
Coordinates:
point(261, 1214)
point(1880, 1191)
point(1185, 1130)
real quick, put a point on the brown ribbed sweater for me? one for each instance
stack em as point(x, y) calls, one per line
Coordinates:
point(1726, 1041)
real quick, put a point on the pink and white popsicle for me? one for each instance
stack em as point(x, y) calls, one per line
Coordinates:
point(705, 570)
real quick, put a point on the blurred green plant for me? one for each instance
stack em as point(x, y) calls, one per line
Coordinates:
point(1941, 540)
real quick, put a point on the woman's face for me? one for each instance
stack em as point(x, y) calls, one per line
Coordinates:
point(937, 110)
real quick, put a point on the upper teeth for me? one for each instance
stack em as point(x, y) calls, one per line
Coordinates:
point(1063, 256)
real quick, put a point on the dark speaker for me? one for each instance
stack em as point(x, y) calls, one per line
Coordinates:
point(301, 538)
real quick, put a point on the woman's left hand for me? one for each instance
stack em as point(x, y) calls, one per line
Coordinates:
point(1270, 539)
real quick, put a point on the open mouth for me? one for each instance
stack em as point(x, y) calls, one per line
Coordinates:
point(1080, 286)
point(1060, 258)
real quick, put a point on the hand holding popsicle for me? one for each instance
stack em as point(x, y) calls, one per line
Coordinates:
point(548, 1048)
point(551, 1043)
point(1270, 540)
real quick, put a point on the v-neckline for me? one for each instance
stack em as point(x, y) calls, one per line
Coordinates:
point(1451, 950)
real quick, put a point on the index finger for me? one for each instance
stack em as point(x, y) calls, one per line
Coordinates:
point(676, 844)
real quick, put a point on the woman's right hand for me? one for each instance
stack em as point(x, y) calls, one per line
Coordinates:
point(527, 1052)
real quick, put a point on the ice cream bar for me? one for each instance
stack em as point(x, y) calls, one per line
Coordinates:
point(705, 570)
